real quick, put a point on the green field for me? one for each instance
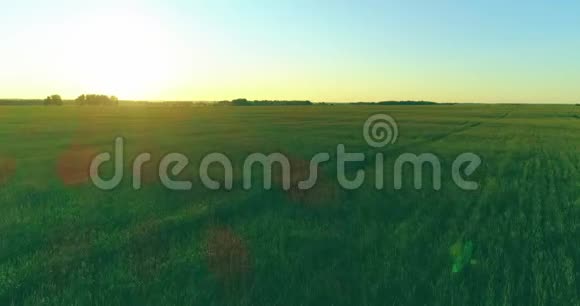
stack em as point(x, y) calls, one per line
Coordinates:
point(64, 242)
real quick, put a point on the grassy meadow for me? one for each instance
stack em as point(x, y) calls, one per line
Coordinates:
point(64, 242)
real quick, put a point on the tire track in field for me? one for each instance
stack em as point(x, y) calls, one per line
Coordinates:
point(435, 138)
point(559, 222)
point(465, 127)
point(550, 255)
point(485, 220)
point(494, 224)
point(532, 240)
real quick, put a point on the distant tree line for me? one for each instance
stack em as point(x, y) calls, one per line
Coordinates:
point(54, 100)
point(93, 99)
point(407, 103)
point(245, 102)
point(96, 100)
point(401, 103)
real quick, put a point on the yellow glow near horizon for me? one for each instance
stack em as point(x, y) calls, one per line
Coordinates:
point(213, 50)
point(132, 53)
point(127, 55)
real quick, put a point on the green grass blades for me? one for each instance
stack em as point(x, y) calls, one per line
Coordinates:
point(64, 242)
point(462, 255)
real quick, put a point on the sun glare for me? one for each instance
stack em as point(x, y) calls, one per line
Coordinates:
point(126, 55)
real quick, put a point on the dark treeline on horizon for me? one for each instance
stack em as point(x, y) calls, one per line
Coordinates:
point(96, 100)
point(103, 100)
point(399, 103)
point(245, 102)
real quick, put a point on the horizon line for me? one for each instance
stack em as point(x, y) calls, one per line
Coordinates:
point(312, 101)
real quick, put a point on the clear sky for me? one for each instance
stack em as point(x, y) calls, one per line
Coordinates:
point(480, 51)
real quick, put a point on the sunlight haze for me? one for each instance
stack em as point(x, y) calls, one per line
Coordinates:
point(456, 51)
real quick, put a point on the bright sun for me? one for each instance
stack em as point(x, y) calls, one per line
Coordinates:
point(126, 55)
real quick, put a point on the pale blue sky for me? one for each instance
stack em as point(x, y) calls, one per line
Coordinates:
point(481, 51)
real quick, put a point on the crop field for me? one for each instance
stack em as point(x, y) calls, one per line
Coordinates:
point(515, 240)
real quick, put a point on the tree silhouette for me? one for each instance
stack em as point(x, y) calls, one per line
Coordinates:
point(96, 100)
point(53, 100)
point(81, 100)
